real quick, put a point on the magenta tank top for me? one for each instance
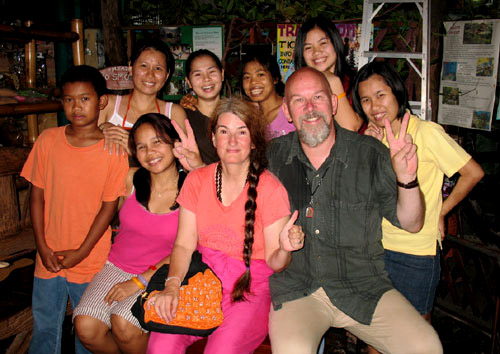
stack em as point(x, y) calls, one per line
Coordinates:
point(279, 126)
point(144, 238)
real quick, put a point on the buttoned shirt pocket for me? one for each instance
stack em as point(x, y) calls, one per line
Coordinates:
point(349, 231)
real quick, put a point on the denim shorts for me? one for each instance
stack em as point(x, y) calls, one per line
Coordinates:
point(416, 277)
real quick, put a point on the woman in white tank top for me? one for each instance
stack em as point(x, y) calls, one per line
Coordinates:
point(151, 65)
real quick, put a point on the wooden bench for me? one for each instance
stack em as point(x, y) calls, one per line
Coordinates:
point(199, 346)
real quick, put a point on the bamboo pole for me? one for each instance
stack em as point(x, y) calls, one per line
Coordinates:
point(22, 34)
point(78, 51)
point(30, 63)
point(29, 108)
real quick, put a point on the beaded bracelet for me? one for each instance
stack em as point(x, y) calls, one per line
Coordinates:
point(169, 278)
point(142, 280)
point(138, 282)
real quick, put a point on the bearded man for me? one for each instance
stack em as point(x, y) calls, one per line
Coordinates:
point(343, 183)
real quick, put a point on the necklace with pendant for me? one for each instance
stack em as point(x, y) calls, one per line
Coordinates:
point(310, 208)
point(160, 193)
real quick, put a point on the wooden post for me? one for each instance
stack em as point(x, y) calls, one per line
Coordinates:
point(114, 44)
point(130, 43)
point(78, 51)
point(30, 66)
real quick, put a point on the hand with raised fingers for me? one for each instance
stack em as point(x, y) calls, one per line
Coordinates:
point(186, 150)
point(403, 151)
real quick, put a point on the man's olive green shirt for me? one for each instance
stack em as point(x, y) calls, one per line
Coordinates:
point(353, 189)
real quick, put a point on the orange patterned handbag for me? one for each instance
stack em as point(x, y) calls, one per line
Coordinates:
point(199, 311)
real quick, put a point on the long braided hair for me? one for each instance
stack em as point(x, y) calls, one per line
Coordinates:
point(256, 125)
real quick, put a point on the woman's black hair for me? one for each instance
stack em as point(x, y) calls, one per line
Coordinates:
point(341, 67)
point(159, 46)
point(392, 79)
point(142, 178)
point(201, 53)
point(269, 63)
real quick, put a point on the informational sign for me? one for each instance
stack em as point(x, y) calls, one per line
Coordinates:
point(286, 35)
point(117, 78)
point(208, 38)
point(469, 73)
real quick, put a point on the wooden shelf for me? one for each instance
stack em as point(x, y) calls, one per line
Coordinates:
point(28, 34)
point(30, 108)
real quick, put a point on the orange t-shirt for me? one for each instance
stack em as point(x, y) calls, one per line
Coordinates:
point(222, 227)
point(75, 181)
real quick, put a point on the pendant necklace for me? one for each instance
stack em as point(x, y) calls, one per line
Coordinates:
point(310, 208)
point(159, 193)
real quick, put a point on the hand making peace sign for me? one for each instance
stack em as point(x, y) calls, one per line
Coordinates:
point(403, 151)
point(186, 150)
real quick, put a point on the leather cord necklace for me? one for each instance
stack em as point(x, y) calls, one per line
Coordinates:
point(310, 209)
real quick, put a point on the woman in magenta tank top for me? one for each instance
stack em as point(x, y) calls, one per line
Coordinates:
point(148, 228)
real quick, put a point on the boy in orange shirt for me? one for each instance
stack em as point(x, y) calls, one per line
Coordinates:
point(76, 185)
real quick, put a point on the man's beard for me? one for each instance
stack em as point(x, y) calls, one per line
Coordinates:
point(315, 135)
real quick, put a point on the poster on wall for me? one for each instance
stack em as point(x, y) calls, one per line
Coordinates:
point(469, 73)
point(287, 32)
point(183, 40)
point(208, 38)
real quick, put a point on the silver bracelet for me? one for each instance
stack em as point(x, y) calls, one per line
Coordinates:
point(178, 279)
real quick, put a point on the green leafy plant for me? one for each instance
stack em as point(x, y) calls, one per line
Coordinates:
point(193, 12)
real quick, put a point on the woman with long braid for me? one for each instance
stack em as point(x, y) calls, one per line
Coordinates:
point(237, 214)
